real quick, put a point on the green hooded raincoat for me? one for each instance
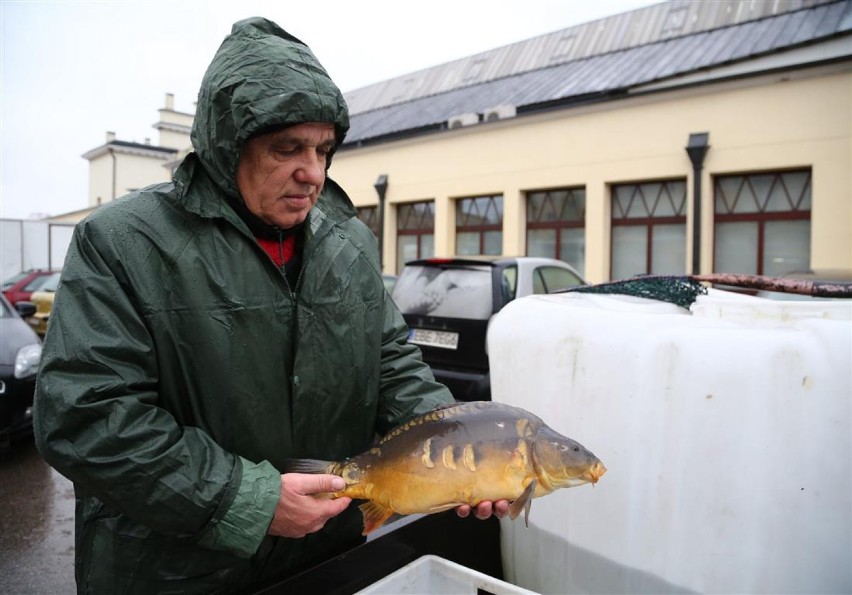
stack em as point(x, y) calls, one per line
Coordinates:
point(181, 369)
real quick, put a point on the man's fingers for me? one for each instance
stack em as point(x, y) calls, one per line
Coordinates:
point(483, 510)
point(501, 508)
point(307, 484)
point(328, 483)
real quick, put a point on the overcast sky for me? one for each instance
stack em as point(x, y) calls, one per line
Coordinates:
point(71, 70)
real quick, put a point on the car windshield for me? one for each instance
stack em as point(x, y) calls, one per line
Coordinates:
point(8, 283)
point(448, 292)
point(51, 283)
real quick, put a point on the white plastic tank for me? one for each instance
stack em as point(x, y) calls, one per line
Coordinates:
point(725, 431)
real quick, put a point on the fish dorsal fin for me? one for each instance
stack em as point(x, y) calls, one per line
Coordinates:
point(374, 516)
point(523, 502)
point(436, 414)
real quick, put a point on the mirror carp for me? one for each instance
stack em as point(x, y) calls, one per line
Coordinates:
point(463, 453)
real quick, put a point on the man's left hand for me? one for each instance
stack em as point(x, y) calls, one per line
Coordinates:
point(484, 510)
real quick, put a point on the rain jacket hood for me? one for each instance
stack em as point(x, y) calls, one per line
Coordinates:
point(242, 96)
point(181, 369)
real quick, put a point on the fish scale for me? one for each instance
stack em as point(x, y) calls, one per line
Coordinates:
point(464, 453)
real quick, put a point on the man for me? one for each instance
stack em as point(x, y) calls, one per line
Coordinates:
point(209, 329)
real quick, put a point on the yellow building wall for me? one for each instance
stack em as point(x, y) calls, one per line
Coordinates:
point(131, 172)
point(100, 180)
point(174, 140)
point(771, 123)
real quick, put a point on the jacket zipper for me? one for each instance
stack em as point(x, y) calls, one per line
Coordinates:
point(294, 379)
point(283, 268)
point(307, 255)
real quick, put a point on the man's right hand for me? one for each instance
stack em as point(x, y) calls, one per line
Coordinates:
point(299, 512)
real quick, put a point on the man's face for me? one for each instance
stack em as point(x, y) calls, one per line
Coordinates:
point(280, 175)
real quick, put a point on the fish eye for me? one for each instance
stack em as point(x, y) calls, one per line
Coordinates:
point(576, 448)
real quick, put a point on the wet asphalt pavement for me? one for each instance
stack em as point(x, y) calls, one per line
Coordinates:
point(36, 525)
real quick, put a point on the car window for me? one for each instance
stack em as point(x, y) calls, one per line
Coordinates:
point(51, 283)
point(8, 283)
point(36, 283)
point(548, 279)
point(448, 292)
point(509, 283)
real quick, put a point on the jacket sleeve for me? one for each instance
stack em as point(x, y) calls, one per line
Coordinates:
point(97, 419)
point(407, 387)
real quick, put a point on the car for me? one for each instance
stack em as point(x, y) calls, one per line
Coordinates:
point(448, 304)
point(19, 287)
point(20, 355)
point(43, 301)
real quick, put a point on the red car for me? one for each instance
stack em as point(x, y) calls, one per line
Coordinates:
point(19, 287)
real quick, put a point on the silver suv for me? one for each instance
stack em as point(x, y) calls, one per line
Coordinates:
point(448, 304)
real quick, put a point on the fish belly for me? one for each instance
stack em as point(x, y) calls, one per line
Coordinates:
point(426, 485)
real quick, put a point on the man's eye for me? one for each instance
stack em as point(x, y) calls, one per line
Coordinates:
point(285, 150)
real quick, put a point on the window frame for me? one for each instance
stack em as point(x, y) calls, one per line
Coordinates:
point(480, 229)
point(419, 233)
point(761, 216)
point(558, 225)
point(650, 220)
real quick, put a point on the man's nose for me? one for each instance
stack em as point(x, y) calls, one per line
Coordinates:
point(311, 170)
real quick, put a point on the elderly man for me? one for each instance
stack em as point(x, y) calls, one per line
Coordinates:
point(208, 329)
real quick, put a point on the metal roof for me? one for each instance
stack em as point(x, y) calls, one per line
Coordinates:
point(594, 75)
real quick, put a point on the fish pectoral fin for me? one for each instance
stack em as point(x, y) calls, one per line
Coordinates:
point(374, 515)
point(523, 502)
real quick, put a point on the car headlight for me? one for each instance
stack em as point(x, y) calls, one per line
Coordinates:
point(27, 360)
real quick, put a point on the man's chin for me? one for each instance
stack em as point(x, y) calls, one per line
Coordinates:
point(288, 221)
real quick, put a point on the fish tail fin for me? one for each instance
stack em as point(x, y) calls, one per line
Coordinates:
point(374, 516)
point(312, 466)
point(524, 502)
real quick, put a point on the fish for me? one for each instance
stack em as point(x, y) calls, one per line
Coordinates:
point(462, 453)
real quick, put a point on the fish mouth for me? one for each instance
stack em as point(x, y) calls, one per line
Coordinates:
point(595, 472)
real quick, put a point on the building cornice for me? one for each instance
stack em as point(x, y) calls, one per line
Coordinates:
point(171, 111)
point(172, 127)
point(130, 148)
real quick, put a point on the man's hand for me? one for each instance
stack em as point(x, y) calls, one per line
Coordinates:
point(299, 512)
point(484, 510)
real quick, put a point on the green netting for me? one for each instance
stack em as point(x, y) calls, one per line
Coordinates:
point(680, 291)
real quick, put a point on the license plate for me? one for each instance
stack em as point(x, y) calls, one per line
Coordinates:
point(442, 339)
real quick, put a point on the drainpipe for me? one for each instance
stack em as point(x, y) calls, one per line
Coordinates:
point(381, 187)
point(697, 148)
point(110, 137)
point(112, 154)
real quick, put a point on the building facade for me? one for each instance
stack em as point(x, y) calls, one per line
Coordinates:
point(118, 167)
point(682, 137)
point(610, 187)
point(600, 176)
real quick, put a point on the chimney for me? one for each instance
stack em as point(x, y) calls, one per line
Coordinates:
point(110, 136)
point(170, 101)
point(147, 140)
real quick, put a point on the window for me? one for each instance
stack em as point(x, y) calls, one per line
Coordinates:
point(556, 225)
point(648, 229)
point(479, 225)
point(370, 217)
point(763, 223)
point(35, 283)
point(548, 279)
point(415, 229)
